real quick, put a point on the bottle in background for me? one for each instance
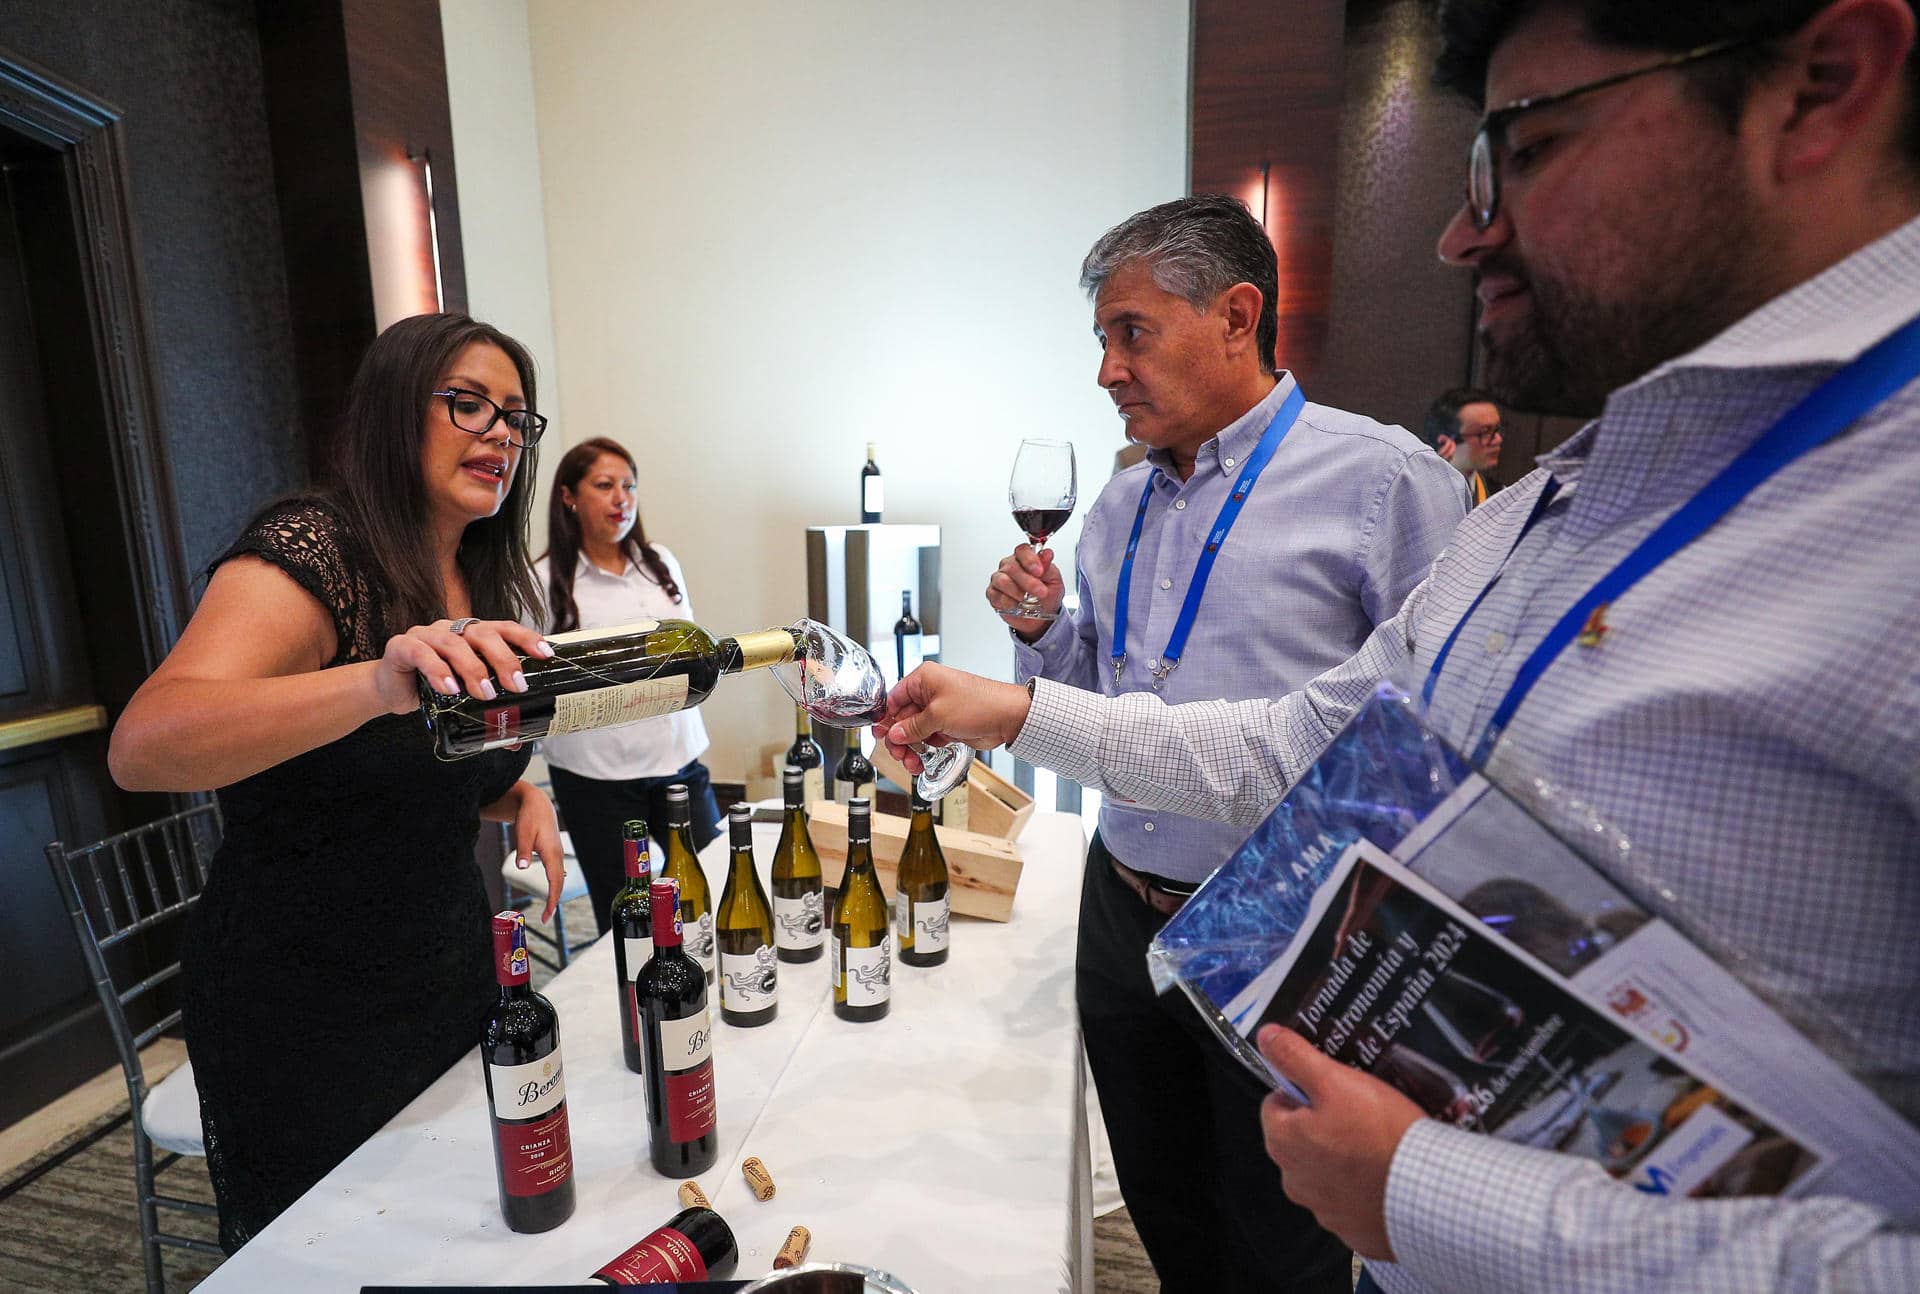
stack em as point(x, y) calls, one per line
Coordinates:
point(749, 967)
point(920, 910)
point(526, 1091)
point(805, 754)
point(861, 950)
point(678, 1034)
point(799, 917)
point(906, 637)
point(631, 917)
point(694, 1245)
point(872, 493)
point(598, 678)
point(854, 774)
point(683, 869)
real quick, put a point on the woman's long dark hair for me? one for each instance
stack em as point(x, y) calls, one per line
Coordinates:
point(563, 535)
point(376, 482)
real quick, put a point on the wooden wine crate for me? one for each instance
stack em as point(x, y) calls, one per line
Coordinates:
point(982, 871)
point(993, 807)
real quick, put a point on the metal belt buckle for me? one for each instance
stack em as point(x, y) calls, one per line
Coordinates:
point(1163, 670)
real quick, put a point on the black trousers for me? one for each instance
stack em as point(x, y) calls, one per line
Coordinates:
point(594, 812)
point(1184, 1121)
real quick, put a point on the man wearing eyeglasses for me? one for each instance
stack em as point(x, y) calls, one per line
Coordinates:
point(1699, 224)
point(1463, 426)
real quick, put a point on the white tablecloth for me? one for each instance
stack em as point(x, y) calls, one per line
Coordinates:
point(946, 1143)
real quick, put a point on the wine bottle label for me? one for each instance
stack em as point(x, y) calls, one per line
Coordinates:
point(813, 786)
point(833, 959)
point(605, 707)
point(799, 923)
point(749, 981)
point(530, 1090)
point(500, 725)
point(535, 1157)
point(930, 921)
point(664, 1256)
point(902, 916)
point(581, 635)
point(873, 495)
point(686, 1047)
point(638, 951)
point(953, 809)
point(844, 791)
point(870, 974)
point(699, 942)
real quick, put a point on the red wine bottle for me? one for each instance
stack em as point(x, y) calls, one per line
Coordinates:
point(526, 1091)
point(694, 1245)
point(631, 914)
point(678, 1035)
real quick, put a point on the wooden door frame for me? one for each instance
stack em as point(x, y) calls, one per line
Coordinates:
point(90, 136)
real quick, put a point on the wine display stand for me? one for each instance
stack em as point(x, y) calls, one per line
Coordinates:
point(982, 871)
point(995, 806)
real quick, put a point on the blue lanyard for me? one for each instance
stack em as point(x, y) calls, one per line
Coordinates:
point(1276, 431)
point(1832, 407)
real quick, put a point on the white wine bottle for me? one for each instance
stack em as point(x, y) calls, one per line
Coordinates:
point(749, 967)
point(598, 678)
point(683, 869)
point(799, 918)
point(805, 754)
point(920, 910)
point(861, 950)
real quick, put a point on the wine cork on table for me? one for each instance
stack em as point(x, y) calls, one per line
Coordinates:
point(794, 1251)
point(692, 1197)
point(758, 1178)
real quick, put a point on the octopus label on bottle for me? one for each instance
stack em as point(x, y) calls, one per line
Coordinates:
point(799, 923)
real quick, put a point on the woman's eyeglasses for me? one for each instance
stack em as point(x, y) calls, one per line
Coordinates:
point(474, 414)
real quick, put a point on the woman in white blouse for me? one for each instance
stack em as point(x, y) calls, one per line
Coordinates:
point(599, 571)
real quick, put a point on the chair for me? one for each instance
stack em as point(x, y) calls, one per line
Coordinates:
point(142, 881)
point(528, 889)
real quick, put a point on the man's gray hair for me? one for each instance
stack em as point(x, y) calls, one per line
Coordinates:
point(1195, 248)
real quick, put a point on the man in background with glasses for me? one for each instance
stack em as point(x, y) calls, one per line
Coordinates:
point(1700, 225)
point(1463, 426)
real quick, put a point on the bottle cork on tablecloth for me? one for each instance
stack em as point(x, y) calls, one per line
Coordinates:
point(794, 1251)
point(758, 1178)
point(692, 1197)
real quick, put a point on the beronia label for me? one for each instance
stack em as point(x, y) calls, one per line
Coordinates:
point(927, 922)
point(666, 1255)
point(529, 1090)
point(799, 923)
point(749, 981)
point(686, 1048)
point(869, 973)
point(604, 707)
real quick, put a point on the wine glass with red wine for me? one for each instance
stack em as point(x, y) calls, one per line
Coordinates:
point(1042, 491)
point(839, 683)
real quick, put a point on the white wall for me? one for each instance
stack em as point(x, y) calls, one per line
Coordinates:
point(777, 231)
point(503, 226)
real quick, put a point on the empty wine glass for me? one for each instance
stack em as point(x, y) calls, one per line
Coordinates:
point(1042, 491)
point(839, 683)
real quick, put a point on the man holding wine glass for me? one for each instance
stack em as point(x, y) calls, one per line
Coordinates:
point(1250, 498)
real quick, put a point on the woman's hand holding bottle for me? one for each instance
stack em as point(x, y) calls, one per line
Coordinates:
point(466, 661)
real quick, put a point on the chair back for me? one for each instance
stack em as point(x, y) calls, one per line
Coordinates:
point(128, 887)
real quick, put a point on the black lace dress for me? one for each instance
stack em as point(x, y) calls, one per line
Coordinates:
point(339, 960)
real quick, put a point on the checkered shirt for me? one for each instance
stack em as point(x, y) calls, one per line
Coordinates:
point(1750, 720)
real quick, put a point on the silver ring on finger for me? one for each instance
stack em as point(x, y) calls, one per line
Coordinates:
point(459, 627)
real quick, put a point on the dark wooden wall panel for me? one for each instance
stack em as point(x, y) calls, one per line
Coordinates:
point(1267, 85)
